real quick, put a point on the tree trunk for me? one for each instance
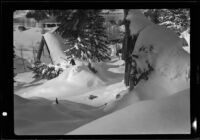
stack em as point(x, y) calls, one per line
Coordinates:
point(128, 47)
point(22, 58)
point(126, 52)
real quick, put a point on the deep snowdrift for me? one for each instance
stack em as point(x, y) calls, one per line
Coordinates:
point(160, 110)
point(170, 115)
point(159, 105)
point(78, 83)
point(44, 117)
point(162, 49)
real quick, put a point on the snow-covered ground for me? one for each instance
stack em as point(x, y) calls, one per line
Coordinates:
point(44, 117)
point(38, 113)
point(160, 105)
point(150, 100)
point(78, 83)
point(25, 43)
point(170, 115)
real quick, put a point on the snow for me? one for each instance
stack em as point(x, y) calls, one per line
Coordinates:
point(30, 39)
point(20, 13)
point(43, 117)
point(137, 21)
point(186, 38)
point(170, 62)
point(26, 41)
point(77, 83)
point(160, 105)
point(21, 65)
point(25, 77)
point(170, 115)
point(52, 40)
point(27, 38)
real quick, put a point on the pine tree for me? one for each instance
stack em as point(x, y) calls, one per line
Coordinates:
point(177, 20)
point(85, 34)
point(83, 30)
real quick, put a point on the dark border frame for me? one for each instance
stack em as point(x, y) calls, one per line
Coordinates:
point(7, 60)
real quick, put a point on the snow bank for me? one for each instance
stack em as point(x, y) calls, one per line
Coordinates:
point(26, 77)
point(78, 84)
point(21, 65)
point(26, 41)
point(72, 82)
point(170, 115)
point(104, 96)
point(82, 76)
point(162, 49)
point(43, 117)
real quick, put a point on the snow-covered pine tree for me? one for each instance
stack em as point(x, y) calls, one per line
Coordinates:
point(83, 30)
point(85, 34)
point(177, 20)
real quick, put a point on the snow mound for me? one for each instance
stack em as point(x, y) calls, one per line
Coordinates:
point(104, 97)
point(170, 115)
point(161, 49)
point(82, 76)
point(73, 81)
point(79, 84)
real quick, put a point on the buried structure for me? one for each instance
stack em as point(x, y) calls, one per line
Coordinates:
point(51, 59)
point(51, 49)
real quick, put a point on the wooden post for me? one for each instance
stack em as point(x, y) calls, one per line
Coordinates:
point(22, 59)
point(34, 54)
point(48, 51)
point(40, 49)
